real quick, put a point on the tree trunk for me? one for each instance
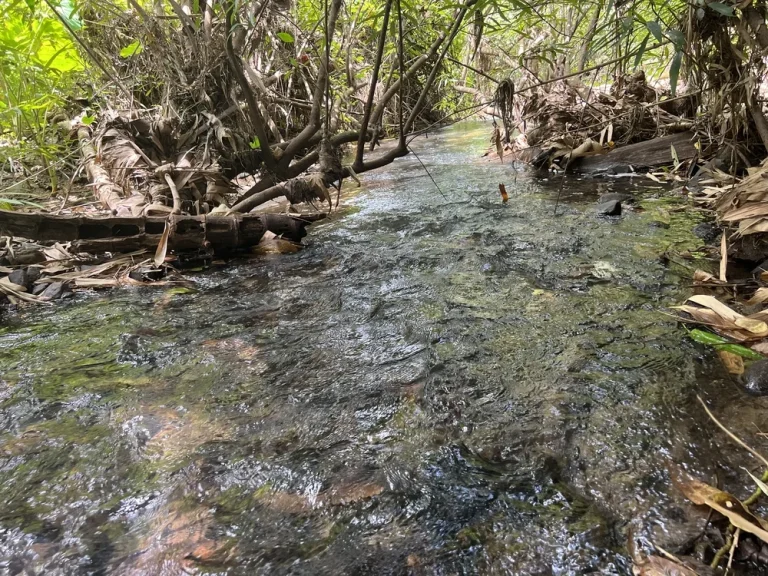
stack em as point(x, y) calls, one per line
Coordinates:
point(584, 52)
point(126, 234)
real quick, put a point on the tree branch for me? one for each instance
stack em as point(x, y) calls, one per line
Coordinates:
point(431, 79)
point(253, 110)
point(300, 140)
point(378, 112)
point(372, 90)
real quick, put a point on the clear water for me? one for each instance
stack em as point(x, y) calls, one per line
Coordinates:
point(438, 384)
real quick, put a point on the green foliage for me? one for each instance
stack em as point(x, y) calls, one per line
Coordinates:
point(134, 48)
point(38, 68)
point(723, 9)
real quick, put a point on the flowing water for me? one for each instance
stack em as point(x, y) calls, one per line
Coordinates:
point(438, 384)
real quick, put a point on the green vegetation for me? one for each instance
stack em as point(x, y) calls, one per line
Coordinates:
point(187, 67)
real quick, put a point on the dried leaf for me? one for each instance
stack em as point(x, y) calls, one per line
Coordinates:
point(723, 258)
point(57, 252)
point(760, 296)
point(701, 277)
point(162, 247)
point(96, 282)
point(15, 287)
point(750, 210)
point(729, 506)
point(732, 362)
point(716, 306)
point(658, 566)
point(761, 347)
point(756, 327)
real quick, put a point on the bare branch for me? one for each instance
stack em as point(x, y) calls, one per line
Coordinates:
point(253, 110)
point(372, 90)
point(300, 141)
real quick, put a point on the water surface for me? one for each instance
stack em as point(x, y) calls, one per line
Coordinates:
point(438, 384)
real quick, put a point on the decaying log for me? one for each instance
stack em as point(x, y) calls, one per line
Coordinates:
point(642, 155)
point(105, 190)
point(126, 234)
point(655, 152)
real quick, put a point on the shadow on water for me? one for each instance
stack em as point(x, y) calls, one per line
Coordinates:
point(438, 384)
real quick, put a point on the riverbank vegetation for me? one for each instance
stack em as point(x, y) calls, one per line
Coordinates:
point(139, 138)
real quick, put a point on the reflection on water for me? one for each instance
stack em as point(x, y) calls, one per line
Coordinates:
point(439, 384)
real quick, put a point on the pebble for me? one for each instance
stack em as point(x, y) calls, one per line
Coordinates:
point(706, 231)
point(19, 277)
point(612, 208)
point(33, 274)
point(615, 197)
point(53, 291)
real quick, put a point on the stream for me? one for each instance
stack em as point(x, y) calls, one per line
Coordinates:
point(439, 383)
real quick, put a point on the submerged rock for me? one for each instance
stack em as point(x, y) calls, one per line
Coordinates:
point(615, 197)
point(707, 231)
point(53, 291)
point(756, 378)
point(19, 277)
point(33, 274)
point(611, 208)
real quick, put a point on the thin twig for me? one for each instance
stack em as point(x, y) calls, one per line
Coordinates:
point(428, 174)
point(733, 549)
point(570, 154)
point(733, 436)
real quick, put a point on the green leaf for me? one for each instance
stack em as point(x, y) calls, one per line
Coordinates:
point(720, 343)
point(178, 290)
point(678, 39)
point(674, 71)
point(721, 8)
point(88, 120)
point(255, 144)
point(132, 49)
point(15, 202)
point(285, 37)
point(641, 50)
point(655, 29)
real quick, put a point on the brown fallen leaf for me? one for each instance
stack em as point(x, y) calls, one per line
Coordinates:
point(753, 325)
point(732, 362)
point(701, 277)
point(759, 297)
point(761, 347)
point(658, 566)
point(716, 306)
point(726, 504)
point(723, 257)
point(162, 247)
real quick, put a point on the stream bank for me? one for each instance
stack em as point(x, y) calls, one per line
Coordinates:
point(439, 382)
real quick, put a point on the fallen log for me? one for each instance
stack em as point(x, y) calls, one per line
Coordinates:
point(641, 155)
point(126, 234)
point(647, 154)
